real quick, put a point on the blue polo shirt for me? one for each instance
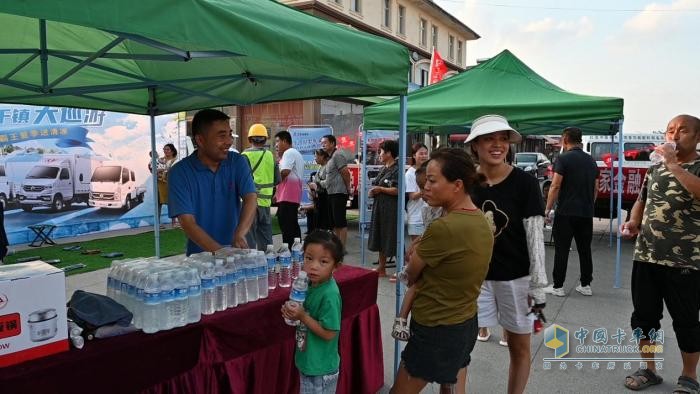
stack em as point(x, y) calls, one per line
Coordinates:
point(213, 198)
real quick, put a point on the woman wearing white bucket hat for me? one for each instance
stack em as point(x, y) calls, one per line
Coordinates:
point(512, 200)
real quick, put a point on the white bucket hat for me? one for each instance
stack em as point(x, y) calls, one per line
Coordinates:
point(488, 124)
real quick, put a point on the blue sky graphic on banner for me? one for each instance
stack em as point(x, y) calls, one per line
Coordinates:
point(81, 170)
point(306, 139)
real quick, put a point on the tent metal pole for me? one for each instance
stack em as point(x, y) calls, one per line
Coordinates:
point(44, 57)
point(154, 167)
point(400, 217)
point(612, 141)
point(621, 155)
point(364, 179)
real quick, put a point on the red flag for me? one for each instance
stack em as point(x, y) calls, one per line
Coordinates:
point(438, 69)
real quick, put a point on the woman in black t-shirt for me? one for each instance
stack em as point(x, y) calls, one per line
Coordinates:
point(512, 201)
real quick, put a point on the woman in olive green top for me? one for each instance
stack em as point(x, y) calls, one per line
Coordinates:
point(448, 265)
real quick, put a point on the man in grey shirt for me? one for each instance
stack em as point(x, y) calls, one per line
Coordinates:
point(337, 183)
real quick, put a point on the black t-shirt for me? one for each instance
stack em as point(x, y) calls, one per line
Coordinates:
point(517, 197)
point(577, 188)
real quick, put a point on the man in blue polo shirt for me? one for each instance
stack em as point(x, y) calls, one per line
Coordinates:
point(206, 188)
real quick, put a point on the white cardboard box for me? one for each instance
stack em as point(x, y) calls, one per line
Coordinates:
point(33, 319)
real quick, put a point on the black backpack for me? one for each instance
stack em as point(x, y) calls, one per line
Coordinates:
point(92, 311)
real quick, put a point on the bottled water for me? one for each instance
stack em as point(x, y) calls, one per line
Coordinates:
point(140, 297)
point(231, 282)
point(251, 277)
point(221, 285)
point(272, 271)
point(179, 306)
point(261, 266)
point(151, 307)
point(298, 294)
point(296, 257)
point(208, 288)
point(657, 157)
point(241, 274)
point(167, 297)
point(194, 296)
point(285, 259)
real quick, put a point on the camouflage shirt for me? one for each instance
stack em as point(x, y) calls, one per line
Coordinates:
point(670, 230)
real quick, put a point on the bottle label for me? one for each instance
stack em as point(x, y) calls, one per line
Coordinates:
point(167, 295)
point(237, 275)
point(194, 290)
point(181, 293)
point(124, 287)
point(131, 289)
point(151, 298)
point(208, 283)
point(286, 262)
point(139, 293)
point(297, 295)
point(296, 255)
point(231, 277)
point(271, 262)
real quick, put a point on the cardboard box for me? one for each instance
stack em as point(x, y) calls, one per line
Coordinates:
point(33, 320)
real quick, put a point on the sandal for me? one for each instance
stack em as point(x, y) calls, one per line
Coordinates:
point(484, 338)
point(400, 330)
point(91, 251)
point(686, 385)
point(642, 379)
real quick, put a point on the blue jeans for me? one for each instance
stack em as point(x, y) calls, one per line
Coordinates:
point(260, 233)
point(323, 384)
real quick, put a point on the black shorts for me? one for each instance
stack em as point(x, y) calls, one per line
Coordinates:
point(436, 354)
point(337, 204)
point(656, 284)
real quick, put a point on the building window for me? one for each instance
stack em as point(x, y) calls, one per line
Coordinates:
point(355, 6)
point(451, 47)
point(460, 52)
point(386, 20)
point(435, 36)
point(424, 77)
point(423, 29)
point(402, 20)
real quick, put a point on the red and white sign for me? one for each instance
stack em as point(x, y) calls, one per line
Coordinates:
point(632, 179)
point(438, 68)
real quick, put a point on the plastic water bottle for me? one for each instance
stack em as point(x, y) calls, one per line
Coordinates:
point(251, 277)
point(194, 296)
point(231, 282)
point(241, 274)
point(285, 258)
point(179, 306)
point(151, 307)
point(208, 288)
point(221, 285)
point(272, 273)
point(296, 257)
point(298, 294)
point(167, 297)
point(261, 265)
point(657, 157)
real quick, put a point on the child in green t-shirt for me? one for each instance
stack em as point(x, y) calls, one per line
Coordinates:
point(316, 354)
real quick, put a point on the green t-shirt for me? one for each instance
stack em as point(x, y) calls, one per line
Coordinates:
point(457, 250)
point(318, 356)
point(670, 228)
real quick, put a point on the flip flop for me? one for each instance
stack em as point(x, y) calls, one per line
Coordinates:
point(91, 251)
point(27, 259)
point(112, 254)
point(52, 261)
point(642, 379)
point(72, 248)
point(485, 337)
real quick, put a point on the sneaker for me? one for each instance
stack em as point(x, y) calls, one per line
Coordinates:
point(557, 291)
point(585, 290)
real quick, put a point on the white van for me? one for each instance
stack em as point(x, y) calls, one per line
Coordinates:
point(636, 150)
point(114, 186)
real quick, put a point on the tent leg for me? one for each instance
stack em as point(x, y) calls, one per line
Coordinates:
point(621, 154)
point(612, 142)
point(400, 219)
point(362, 193)
point(154, 167)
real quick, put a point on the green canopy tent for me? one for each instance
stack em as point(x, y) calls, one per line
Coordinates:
point(502, 85)
point(158, 56)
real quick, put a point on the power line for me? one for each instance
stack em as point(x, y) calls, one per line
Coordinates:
point(574, 8)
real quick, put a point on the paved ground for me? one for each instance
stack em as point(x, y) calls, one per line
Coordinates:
point(608, 308)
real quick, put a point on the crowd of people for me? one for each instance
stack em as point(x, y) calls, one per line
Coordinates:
point(475, 222)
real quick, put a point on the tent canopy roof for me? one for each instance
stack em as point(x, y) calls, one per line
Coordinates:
point(503, 85)
point(162, 56)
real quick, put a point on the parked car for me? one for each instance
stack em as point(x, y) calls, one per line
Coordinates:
point(534, 163)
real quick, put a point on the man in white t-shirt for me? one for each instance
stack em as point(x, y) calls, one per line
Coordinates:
point(288, 195)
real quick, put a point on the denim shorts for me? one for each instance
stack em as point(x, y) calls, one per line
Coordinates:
point(322, 384)
point(436, 354)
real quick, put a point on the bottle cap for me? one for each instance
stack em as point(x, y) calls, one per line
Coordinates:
point(297, 240)
point(302, 274)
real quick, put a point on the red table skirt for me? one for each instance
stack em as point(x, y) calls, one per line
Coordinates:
point(248, 349)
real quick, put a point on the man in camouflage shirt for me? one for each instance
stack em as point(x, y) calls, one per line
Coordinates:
point(666, 269)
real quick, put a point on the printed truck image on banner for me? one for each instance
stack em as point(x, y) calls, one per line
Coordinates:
point(80, 170)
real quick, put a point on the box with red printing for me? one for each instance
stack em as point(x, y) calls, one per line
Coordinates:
point(32, 312)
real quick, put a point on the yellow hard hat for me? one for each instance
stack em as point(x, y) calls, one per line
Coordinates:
point(257, 130)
